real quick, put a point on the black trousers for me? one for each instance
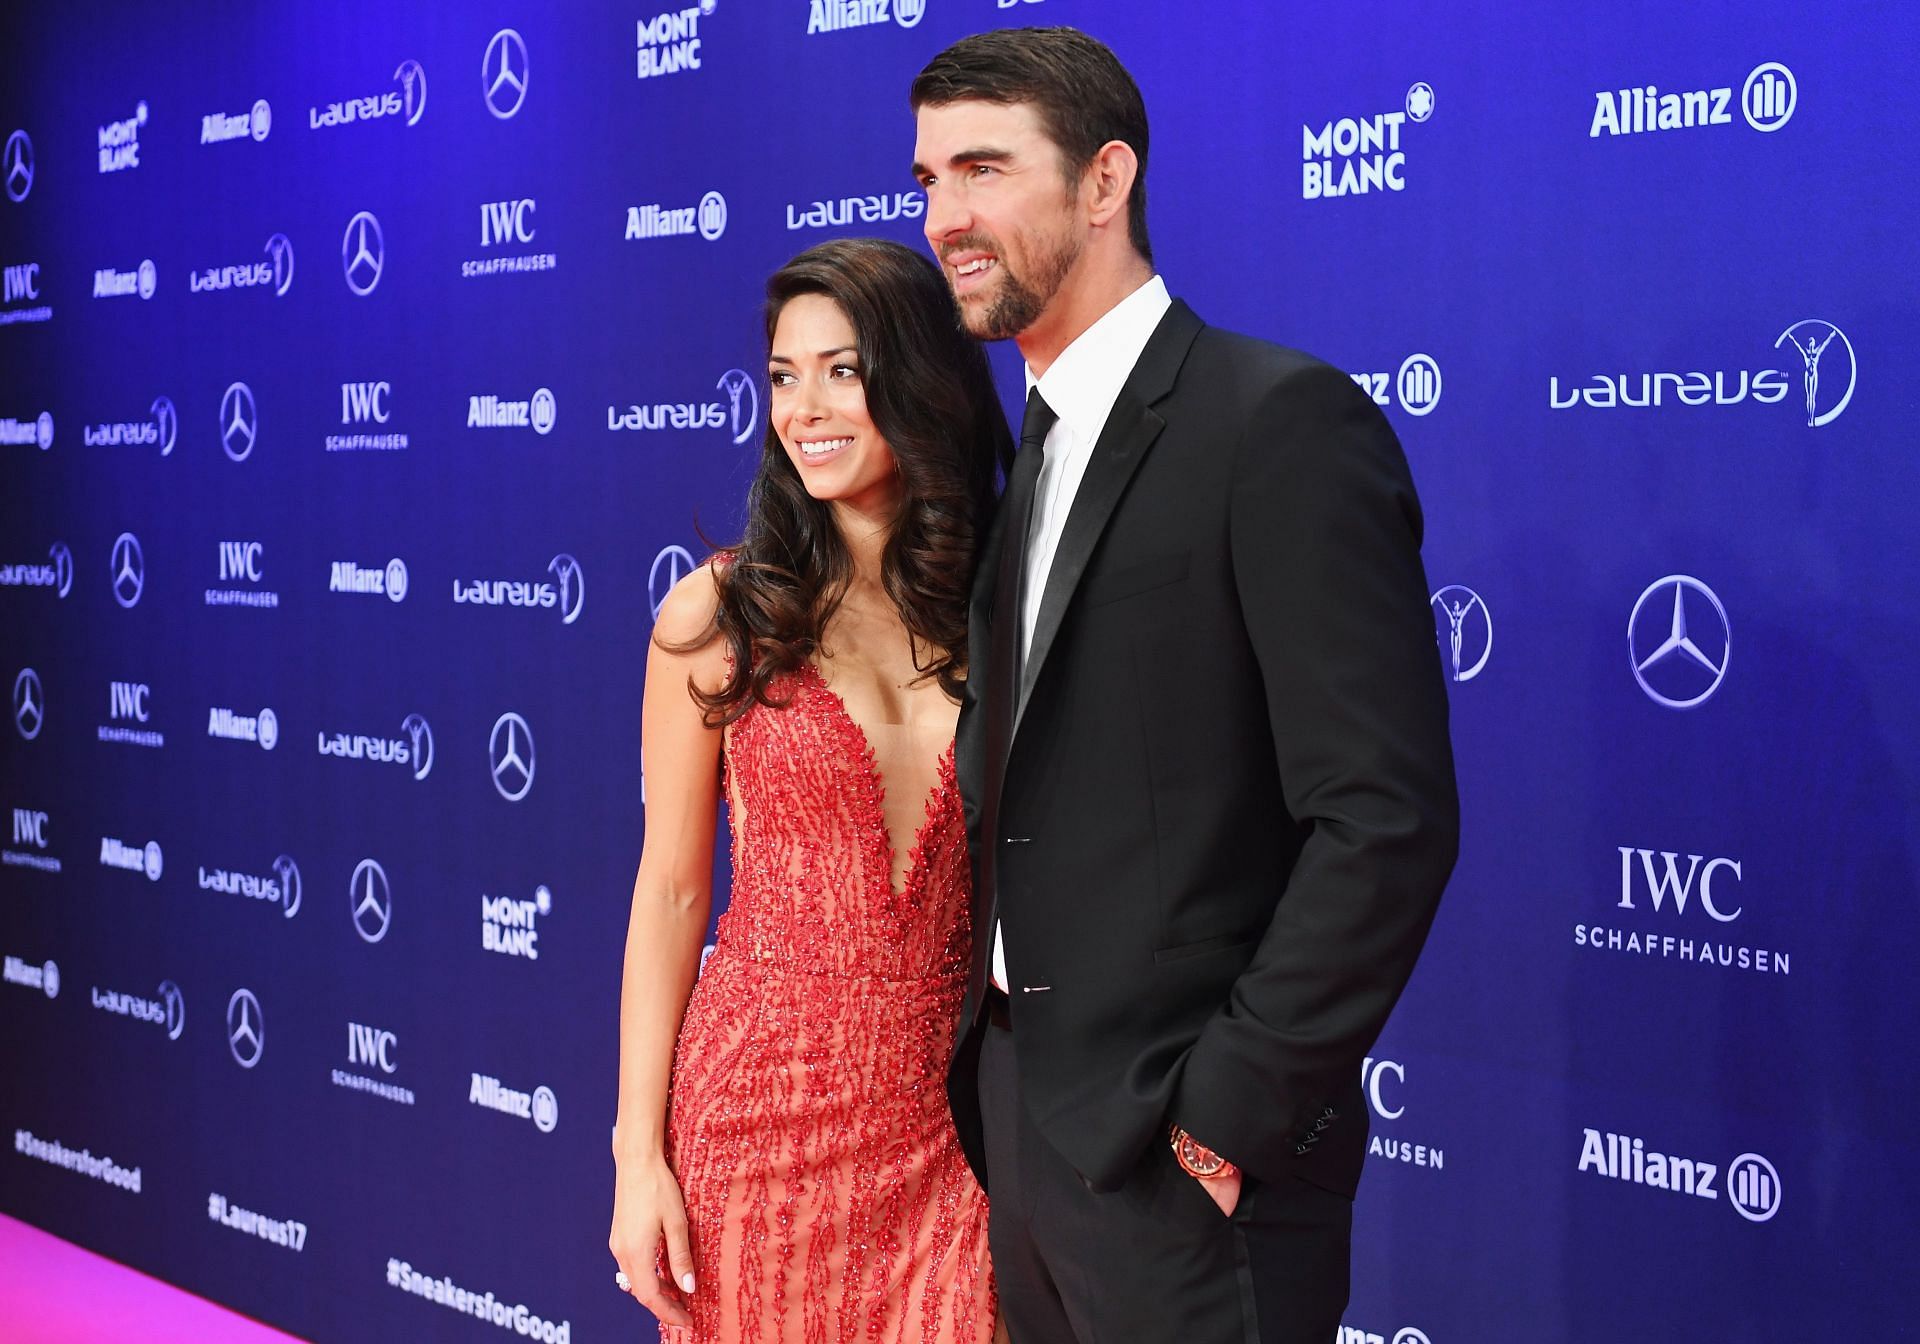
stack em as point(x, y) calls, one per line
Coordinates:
point(1155, 1260)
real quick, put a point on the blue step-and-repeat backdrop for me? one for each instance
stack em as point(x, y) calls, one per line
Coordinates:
point(368, 372)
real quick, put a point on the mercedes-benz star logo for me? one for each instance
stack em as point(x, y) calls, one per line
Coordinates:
point(129, 570)
point(288, 872)
point(512, 772)
point(1811, 336)
point(420, 736)
point(1466, 638)
point(503, 73)
point(743, 403)
point(62, 567)
point(246, 1028)
point(573, 586)
point(280, 249)
point(370, 901)
point(413, 87)
point(363, 253)
point(167, 420)
point(1679, 661)
point(673, 564)
point(239, 421)
point(29, 704)
point(17, 163)
point(176, 1004)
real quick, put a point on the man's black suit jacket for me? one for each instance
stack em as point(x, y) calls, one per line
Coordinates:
point(1228, 810)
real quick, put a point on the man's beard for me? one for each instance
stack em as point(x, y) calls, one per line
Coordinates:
point(1019, 303)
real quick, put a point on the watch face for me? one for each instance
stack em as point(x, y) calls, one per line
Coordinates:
point(1197, 1161)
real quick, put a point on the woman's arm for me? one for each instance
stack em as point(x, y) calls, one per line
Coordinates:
point(672, 898)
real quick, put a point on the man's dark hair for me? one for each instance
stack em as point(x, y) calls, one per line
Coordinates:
point(1084, 96)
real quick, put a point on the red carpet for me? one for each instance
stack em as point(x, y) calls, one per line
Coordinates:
point(53, 1292)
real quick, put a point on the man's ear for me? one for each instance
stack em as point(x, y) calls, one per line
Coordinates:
point(1109, 179)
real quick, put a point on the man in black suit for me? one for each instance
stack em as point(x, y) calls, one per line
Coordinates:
point(1203, 748)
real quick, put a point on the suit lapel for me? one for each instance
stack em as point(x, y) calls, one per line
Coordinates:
point(1131, 428)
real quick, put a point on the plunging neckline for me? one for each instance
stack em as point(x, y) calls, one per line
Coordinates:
point(943, 778)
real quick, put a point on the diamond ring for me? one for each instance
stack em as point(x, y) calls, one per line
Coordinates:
point(622, 1282)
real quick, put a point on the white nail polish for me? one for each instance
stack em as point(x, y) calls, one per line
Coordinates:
point(686, 1281)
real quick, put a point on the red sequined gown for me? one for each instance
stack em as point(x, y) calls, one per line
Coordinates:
point(808, 1124)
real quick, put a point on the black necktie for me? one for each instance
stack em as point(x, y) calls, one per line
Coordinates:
point(1003, 667)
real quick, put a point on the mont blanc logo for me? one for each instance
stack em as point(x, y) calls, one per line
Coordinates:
point(1464, 628)
point(363, 253)
point(408, 101)
point(846, 211)
point(167, 1009)
point(34, 433)
point(1416, 386)
point(280, 887)
point(508, 224)
point(370, 900)
point(708, 218)
point(833, 16)
point(44, 977)
point(539, 1105)
point(510, 756)
point(512, 928)
point(16, 166)
point(246, 1028)
point(1352, 156)
point(239, 422)
point(503, 73)
point(1752, 1183)
point(669, 42)
point(29, 704)
point(537, 412)
point(220, 127)
point(56, 573)
point(414, 748)
point(275, 272)
point(120, 141)
point(1384, 1082)
point(390, 580)
point(673, 564)
point(1768, 98)
point(737, 414)
point(262, 729)
point(1824, 364)
point(128, 568)
point(241, 577)
point(1679, 641)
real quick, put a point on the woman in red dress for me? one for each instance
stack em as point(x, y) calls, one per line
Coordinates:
point(786, 1166)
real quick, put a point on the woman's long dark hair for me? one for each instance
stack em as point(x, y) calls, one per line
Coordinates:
point(931, 397)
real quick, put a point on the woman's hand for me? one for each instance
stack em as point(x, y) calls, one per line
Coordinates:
point(648, 1208)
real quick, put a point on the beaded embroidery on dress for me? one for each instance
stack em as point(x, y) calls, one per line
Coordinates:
point(827, 1194)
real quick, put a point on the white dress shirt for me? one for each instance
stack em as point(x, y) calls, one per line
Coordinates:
point(1081, 386)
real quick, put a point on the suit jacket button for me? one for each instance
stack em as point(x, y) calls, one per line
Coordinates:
point(1299, 1149)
